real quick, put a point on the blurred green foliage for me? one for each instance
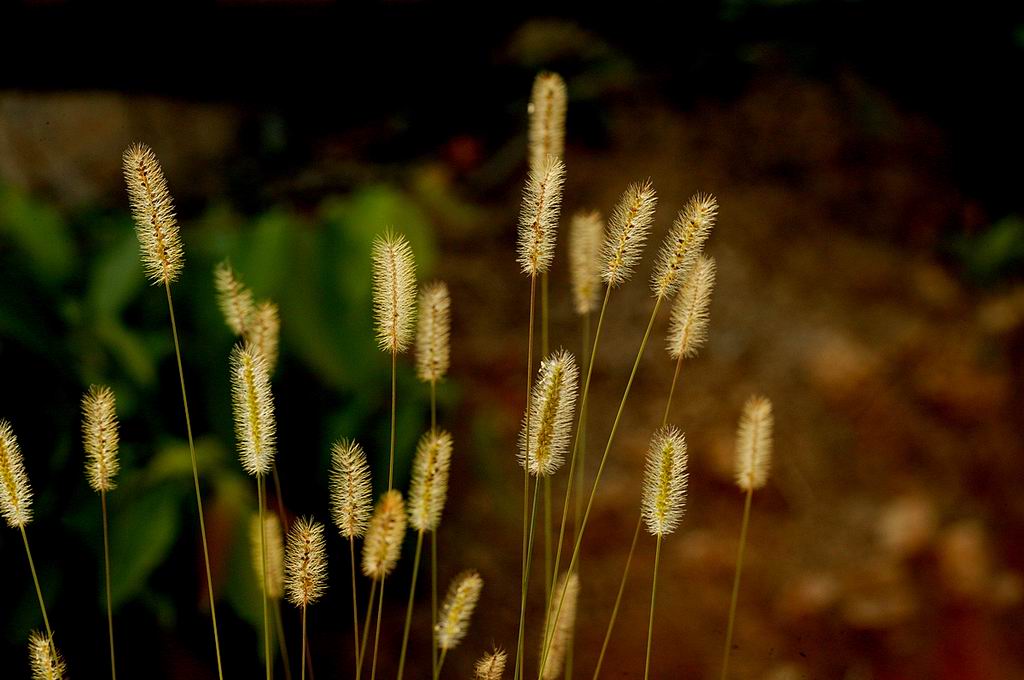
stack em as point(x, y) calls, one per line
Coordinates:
point(994, 253)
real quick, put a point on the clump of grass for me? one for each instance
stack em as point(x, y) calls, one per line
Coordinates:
point(456, 612)
point(305, 566)
point(100, 440)
point(45, 660)
point(559, 626)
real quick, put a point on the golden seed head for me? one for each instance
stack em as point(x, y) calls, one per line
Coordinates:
point(586, 232)
point(255, 425)
point(15, 492)
point(432, 350)
point(547, 118)
point(383, 542)
point(234, 299)
point(538, 219)
point(351, 489)
point(683, 244)
point(46, 661)
point(459, 603)
point(560, 631)
point(305, 562)
point(264, 332)
point(153, 212)
point(394, 291)
point(429, 486)
point(627, 232)
point(552, 406)
point(665, 479)
point(99, 437)
point(754, 443)
point(491, 666)
point(688, 328)
point(275, 553)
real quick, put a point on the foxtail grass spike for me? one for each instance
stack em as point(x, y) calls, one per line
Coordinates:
point(234, 299)
point(688, 328)
point(665, 481)
point(457, 610)
point(305, 562)
point(491, 666)
point(351, 489)
point(560, 630)
point(538, 219)
point(44, 658)
point(153, 211)
point(383, 543)
point(754, 444)
point(627, 232)
point(275, 553)
point(394, 291)
point(15, 491)
point(683, 244)
point(429, 486)
point(255, 425)
point(265, 332)
point(552, 409)
point(432, 336)
point(547, 109)
point(100, 437)
point(586, 234)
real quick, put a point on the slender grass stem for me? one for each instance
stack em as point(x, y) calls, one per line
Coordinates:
point(195, 480)
point(412, 596)
point(618, 600)
point(578, 480)
point(268, 660)
point(547, 539)
point(303, 671)
point(391, 457)
point(650, 621)
point(736, 585)
point(355, 602)
point(520, 670)
point(39, 591)
point(544, 314)
point(600, 469)
point(376, 635)
point(366, 631)
point(672, 390)
point(281, 514)
point(433, 597)
point(282, 644)
point(526, 467)
point(440, 662)
point(106, 574)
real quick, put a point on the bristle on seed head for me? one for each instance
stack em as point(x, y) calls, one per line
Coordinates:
point(394, 291)
point(665, 481)
point(429, 487)
point(383, 543)
point(432, 350)
point(153, 212)
point(351, 489)
point(586, 233)
point(560, 631)
point(538, 219)
point(627, 232)
point(45, 660)
point(15, 491)
point(491, 666)
point(255, 424)
point(683, 244)
point(264, 332)
point(234, 299)
point(688, 328)
point(548, 103)
point(754, 443)
point(305, 562)
point(100, 437)
point(457, 610)
point(542, 446)
point(275, 553)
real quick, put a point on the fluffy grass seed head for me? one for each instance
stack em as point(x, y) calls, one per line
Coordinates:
point(432, 334)
point(383, 543)
point(688, 328)
point(275, 553)
point(586, 232)
point(665, 479)
point(305, 562)
point(394, 291)
point(683, 245)
point(234, 299)
point(265, 331)
point(560, 632)
point(490, 666)
point(429, 486)
point(351, 489)
point(538, 219)
point(255, 425)
point(754, 443)
point(548, 103)
point(15, 492)
point(153, 211)
point(627, 232)
point(551, 415)
point(457, 610)
point(99, 437)
point(45, 660)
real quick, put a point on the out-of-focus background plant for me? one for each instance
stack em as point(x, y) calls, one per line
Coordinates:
point(870, 249)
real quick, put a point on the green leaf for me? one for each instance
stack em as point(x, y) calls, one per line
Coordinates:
point(142, 533)
point(40, 232)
